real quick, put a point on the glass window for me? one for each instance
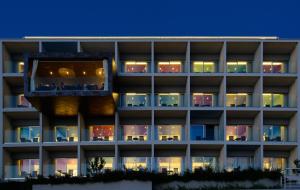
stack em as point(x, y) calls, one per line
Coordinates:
point(237, 100)
point(101, 133)
point(271, 163)
point(64, 166)
point(135, 67)
point(203, 66)
point(275, 133)
point(28, 134)
point(22, 101)
point(20, 67)
point(203, 100)
point(135, 132)
point(66, 134)
point(274, 67)
point(202, 132)
point(108, 166)
point(237, 133)
point(134, 99)
point(169, 132)
point(169, 99)
point(239, 162)
point(169, 66)
point(28, 167)
point(204, 163)
point(237, 67)
point(169, 165)
point(274, 100)
point(135, 163)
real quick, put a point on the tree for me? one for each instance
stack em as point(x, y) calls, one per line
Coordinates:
point(96, 166)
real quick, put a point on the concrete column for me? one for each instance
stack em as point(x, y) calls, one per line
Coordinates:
point(152, 64)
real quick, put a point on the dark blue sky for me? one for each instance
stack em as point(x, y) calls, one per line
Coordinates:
point(152, 17)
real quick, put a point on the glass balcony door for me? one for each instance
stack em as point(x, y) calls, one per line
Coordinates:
point(66, 166)
point(170, 165)
point(203, 67)
point(136, 67)
point(199, 163)
point(169, 67)
point(135, 132)
point(239, 162)
point(203, 100)
point(275, 133)
point(238, 100)
point(274, 100)
point(101, 133)
point(135, 163)
point(28, 167)
point(169, 132)
point(136, 100)
point(238, 133)
point(28, 134)
point(202, 132)
point(271, 163)
point(66, 134)
point(237, 67)
point(169, 99)
point(274, 67)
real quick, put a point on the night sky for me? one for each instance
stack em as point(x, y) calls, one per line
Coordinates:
point(149, 18)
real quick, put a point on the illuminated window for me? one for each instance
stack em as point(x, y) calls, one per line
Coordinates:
point(271, 163)
point(169, 132)
point(202, 132)
point(101, 133)
point(66, 166)
point(28, 134)
point(169, 165)
point(238, 133)
point(274, 67)
point(169, 99)
point(169, 66)
point(66, 134)
point(21, 67)
point(239, 162)
point(28, 167)
point(203, 67)
point(203, 99)
point(135, 132)
point(135, 67)
point(204, 163)
point(274, 100)
point(275, 133)
point(22, 101)
point(237, 100)
point(108, 166)
point(135, 163)
point(237, 67)
point(136, 100)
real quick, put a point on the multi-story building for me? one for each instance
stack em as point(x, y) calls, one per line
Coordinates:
point(165, 104)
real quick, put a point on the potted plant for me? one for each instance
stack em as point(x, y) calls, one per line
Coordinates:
point(95, 166)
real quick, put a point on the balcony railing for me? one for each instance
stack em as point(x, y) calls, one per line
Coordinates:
point(28, 134)
point(203, 67)
point(275, 133)
point(169, 132)
point(66, 134)
point(170, 67)
point(203, 100)
point(238, 100)
point(23, 168)
point(135, 132)
point(274, 67)
point(238, 67)
point(238, 133)
point(101, 133)
point(275, 100)
point(202, 132)
point(135, 67)
point(135, 100)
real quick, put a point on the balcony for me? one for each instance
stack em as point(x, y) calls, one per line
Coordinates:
point(202, 163)
point(23, 168)
point(203, 67)
point(28, 134)
point(135, 163)
point(65, 166)
point(202, 132)
point(135, 100)
point(275, 133)
point(64, 80)
point(170, 165)
point(238, 100)
point(169, 132)
point(242, 163)
point(204, 100)
point(66, 133)
point(16, 101)
point(274, 100)
point(238, 133)
point(273, 163)
point(169, 99)
point(101, 133)
point(135, 132)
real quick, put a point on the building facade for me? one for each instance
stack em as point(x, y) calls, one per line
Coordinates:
point(165, 104)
